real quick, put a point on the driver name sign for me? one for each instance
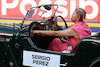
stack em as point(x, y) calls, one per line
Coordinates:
point(37, 59)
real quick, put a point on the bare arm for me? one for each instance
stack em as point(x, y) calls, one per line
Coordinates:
point(62, 33)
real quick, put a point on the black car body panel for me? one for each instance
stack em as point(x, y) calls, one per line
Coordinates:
point(14, 41)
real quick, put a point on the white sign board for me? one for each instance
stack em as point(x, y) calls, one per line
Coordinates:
point(37, 59)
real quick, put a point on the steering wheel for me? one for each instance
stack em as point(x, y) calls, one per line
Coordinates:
point(40, 41)
point(63, 39)
point(48, 26)
point(34, 26)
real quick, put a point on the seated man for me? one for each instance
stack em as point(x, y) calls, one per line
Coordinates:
point(78, 30)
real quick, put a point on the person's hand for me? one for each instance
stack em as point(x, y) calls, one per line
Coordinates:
point(36, 32)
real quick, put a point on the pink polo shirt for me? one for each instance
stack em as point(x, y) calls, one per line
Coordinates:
point(81, 29)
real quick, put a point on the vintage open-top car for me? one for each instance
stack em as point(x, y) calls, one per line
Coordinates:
point(20, 48)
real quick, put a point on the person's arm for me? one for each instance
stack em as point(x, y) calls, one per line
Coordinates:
point(62, 33)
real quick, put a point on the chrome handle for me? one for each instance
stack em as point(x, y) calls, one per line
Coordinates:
point(63, 64)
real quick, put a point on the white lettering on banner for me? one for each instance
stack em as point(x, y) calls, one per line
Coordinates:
point(48, 13)
point(38, 59)
point(93, 4)
point(23, 3)
point(6, 5)
point(62, 9)
point(72, 7)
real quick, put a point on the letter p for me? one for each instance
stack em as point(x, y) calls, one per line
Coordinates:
point(6, 5)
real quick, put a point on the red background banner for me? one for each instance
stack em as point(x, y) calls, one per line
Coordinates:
point(17, 8)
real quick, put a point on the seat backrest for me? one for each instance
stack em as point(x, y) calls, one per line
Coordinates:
point(77, 46)
point(86, 42)
point(74, 48)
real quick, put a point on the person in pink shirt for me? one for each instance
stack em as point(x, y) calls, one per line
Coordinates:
point(75, 33)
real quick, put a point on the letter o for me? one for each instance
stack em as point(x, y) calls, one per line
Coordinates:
point(93, 4)
point(95, 10)
point(48, 58)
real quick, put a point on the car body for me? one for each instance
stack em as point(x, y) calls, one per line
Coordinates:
point(18, 48)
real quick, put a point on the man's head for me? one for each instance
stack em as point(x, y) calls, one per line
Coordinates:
point(78, 15)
